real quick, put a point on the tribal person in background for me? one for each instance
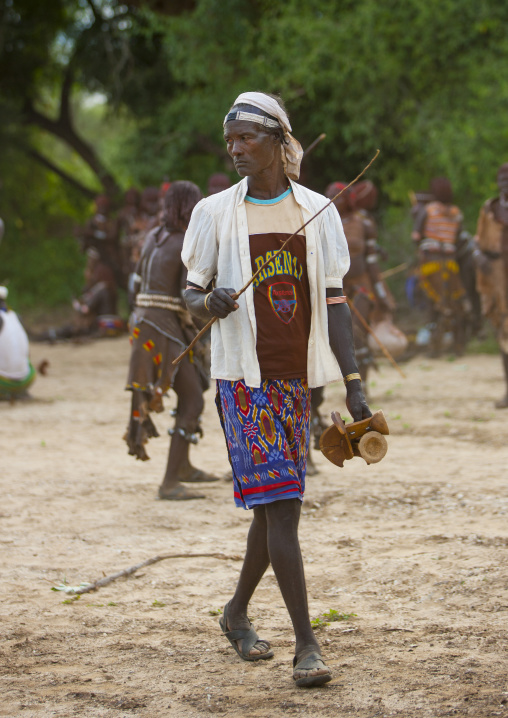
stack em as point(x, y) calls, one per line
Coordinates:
point(16, 370)
point(218, 182)
point(101, 233)
point(437, 228)
point(146, 219)
point(491, 257)
point(363, 285)
point(95, 310)
point(161, 330)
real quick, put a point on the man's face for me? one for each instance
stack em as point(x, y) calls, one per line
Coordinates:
point(251, 148)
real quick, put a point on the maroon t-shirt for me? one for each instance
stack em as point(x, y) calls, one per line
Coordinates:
point(281, 291)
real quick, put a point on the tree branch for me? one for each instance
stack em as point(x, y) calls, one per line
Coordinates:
point(65, 96)
point(106, 580)
point(89, 193)
point(66, 132)
point(96, 13)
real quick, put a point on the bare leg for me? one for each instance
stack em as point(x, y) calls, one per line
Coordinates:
point(254, 566)
point(273, 537)
point(285, 556)
point(178, 451)
point(190, 406)
point(503, 403)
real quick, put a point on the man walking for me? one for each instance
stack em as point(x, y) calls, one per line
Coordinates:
point(289, 332)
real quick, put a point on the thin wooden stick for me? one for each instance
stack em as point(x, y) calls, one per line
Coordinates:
point(270, 259)
point(101, 582)
point(379, 342)
point(314, 144)
point(394, 270)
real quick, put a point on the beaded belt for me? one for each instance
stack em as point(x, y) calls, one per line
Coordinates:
point(434, 245)
point(160, 301)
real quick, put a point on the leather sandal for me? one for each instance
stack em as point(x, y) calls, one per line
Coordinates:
point(247, 636)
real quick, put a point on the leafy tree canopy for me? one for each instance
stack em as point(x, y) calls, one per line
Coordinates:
point(424, 82)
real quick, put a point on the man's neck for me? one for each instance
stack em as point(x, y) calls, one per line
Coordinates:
point(269, 184)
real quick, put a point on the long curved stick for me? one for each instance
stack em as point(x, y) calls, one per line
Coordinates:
point(314, 144)
point(270, 259)
point(379, 342)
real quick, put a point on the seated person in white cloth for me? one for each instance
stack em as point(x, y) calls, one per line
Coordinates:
point(16, 371)
point(269, 347)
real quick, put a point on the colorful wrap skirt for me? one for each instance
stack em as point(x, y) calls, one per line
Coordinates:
point(267, 438)
point(12, 387)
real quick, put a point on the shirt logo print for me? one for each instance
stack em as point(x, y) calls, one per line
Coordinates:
point(282, 296)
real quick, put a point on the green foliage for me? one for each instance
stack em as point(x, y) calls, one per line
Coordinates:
point(72, 599)
point(39, 258)
point(487, 345)
point(333, 615)
point(318, 623)
point(330, 616)
point(424, 82)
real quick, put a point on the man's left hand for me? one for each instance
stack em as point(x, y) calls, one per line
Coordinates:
point(357, 404)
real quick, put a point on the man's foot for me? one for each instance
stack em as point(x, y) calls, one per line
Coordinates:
point(195, 476)
point(244, 639)
point(178, 493)
point(502, 403)
point(309, 669)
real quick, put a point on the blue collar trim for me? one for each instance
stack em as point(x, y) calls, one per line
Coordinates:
point(252, 200)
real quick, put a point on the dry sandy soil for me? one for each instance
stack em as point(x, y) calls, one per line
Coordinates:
point(415, 547)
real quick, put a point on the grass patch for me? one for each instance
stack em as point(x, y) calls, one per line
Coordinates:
point(330, 616)
point(488, 345)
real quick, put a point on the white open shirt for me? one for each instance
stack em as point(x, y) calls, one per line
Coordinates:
point(216, 246)
point(14, 348)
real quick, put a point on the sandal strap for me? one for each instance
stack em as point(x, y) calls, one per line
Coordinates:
point(249, 638)
point(309, 663)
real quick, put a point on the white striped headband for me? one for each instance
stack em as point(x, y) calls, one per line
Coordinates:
point(251, 117)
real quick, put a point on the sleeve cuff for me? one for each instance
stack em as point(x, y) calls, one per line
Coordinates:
point(333, 283)
point(202, 280)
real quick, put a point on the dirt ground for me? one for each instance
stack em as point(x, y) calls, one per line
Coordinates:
point(415, 547)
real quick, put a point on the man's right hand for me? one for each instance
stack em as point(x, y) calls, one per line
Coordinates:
point(220, 302)
point(356, 402)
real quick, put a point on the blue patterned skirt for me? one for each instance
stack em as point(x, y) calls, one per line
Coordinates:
point(267, 437)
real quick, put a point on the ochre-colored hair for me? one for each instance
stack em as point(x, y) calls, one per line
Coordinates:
point(441, 188)
point(219, 179)
point(335, 187)
point(179, 201)
point(365, 195)
point(132, 196)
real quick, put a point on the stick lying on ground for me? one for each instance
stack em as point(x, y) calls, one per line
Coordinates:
point(101, 582)
point(270, 259)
